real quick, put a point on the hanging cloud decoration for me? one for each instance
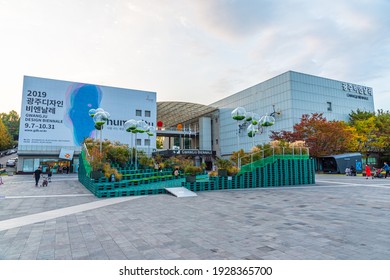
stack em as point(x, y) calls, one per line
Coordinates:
point(238, 114)
point(267, 120)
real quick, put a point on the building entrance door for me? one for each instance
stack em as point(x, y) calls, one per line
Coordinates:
point(57, 166)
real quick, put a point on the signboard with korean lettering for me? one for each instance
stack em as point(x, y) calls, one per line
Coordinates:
point(357, 92)
point(55, 112)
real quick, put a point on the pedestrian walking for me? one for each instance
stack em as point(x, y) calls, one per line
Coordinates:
point(49, 174)
point(37, 175)
point(387, 169)
point(368, 172)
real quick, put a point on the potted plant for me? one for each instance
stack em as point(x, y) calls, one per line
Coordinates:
point(191, 171)
point(222, 166)
point(111, 173)
point(203, 166)
point(233, 170)
point(146, 162)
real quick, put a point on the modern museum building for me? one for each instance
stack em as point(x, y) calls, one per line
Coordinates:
point(55, 120)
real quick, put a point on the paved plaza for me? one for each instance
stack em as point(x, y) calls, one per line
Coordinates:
point(338, 218)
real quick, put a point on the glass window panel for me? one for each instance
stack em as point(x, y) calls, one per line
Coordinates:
point(28, 165)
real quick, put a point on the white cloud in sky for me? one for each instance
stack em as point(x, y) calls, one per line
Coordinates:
point(196, 51)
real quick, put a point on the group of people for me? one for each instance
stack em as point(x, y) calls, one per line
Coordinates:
point(350, 171)
point(377, 172)
point(370, 172)
point(63, 169)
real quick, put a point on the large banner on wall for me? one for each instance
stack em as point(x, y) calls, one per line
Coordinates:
point(55, 113)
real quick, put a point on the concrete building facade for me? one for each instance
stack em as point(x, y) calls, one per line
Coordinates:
point(287, 96)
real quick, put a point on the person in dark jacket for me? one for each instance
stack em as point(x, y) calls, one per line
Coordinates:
point(37, 175)
point(353, 170)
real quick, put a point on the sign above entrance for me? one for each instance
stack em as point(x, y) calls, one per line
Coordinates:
point(195, 152)
point(186, 152)
point(66, 154)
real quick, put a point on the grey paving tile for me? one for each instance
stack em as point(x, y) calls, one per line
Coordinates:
point(46, 255)
point(98, 255)
point(132, 254)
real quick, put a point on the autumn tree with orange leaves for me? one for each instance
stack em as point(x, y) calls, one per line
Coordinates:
point(323, 137)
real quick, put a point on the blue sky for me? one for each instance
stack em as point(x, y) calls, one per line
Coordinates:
point(196, 51)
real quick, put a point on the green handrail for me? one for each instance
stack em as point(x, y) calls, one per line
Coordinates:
point(87, 165)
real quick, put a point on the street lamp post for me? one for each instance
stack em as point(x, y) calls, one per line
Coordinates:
point(92, 113)
point(252, 130)
point(100, 117)
point(130, 126)
point(238, 114)
point(150, 132)
point(141, 127)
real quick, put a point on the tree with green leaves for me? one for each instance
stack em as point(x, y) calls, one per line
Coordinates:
point(11, 122)
point(5, 137)
point(383, 124)
point(359, 116)
point(373, 132)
